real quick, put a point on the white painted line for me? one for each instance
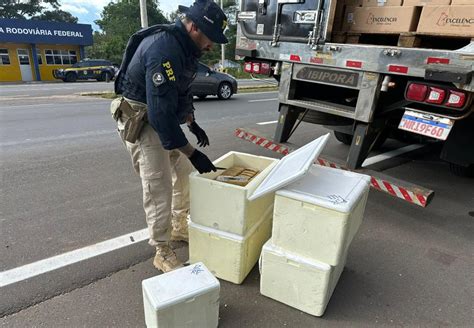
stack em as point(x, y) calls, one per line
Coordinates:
point(258, 100)
point(390, 154)
point(53, 263)
point(253, 93)
point(265, 123)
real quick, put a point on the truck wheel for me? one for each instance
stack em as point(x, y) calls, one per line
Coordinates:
point(345, 138)
point(316, 117)
point(71, 77)
point(462, 171)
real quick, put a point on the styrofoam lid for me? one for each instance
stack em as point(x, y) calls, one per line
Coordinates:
point(169, 288)
point(329, 188)
point(291, 167)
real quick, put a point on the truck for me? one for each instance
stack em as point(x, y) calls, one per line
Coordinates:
point(367, 78)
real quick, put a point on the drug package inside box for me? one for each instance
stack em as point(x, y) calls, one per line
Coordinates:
point(237, 175)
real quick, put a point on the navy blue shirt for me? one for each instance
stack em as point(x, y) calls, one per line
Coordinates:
point(159, 74)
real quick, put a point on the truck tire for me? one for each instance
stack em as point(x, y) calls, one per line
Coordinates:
point(71, 77)
point(316, 117)
point(345, 138)
point(462, 171)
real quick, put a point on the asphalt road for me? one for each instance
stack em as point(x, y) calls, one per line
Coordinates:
point(67, 183)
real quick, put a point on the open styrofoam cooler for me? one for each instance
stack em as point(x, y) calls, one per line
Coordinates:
point(318, 210)
point(224, 206)
point(229, 256)
point(299, 282)
point(318, 216)
point(186, 297)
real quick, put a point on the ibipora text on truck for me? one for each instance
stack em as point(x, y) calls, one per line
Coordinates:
point(368, 70)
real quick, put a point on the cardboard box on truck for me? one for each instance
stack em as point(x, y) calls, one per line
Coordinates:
point(348, 18)
point(381, 3)
point(462, 2)
point(339, 23)
point(427, 2)
point(385, 19)
point(447, 20)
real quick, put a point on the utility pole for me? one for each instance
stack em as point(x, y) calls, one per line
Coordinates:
point(143, 14)
point(222, 45)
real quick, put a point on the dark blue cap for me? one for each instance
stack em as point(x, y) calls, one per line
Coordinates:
point(209, 18)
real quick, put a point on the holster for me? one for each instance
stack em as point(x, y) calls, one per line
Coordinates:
point(132, 116)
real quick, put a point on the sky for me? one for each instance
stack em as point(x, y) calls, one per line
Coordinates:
point(89, 10)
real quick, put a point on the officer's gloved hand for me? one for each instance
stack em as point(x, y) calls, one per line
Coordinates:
point(201, 162)
point(200, 134)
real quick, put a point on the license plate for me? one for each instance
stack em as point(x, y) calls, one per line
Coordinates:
point(427, 125)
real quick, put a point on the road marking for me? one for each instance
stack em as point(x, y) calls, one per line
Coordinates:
point(390, 154)
point(265, 123)
point(268, 99)
point(253, 93)
point(53, 263)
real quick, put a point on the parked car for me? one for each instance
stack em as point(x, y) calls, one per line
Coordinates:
point(209, 82)
point(99, 69)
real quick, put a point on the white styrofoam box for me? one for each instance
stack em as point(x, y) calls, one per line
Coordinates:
point(186, 297)
point(224, 206)
point(318, 216)
point(229, 256)
point(299, 282)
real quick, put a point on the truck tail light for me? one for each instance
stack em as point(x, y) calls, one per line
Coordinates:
point(262, 68)
point(256, 68)
point(248, 67)
point(265, 69)
point(416, 92)
point(436, 96)
point(456, 99)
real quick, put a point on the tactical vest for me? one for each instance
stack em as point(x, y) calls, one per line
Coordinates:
point(132, 46)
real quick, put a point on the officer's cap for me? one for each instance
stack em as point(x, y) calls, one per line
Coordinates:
point(209, 18)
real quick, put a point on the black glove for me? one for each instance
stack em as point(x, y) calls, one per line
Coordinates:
point(200, 134)
point(201, 162)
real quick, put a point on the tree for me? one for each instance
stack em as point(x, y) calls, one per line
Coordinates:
point(118, 22)
point(56, 16)
point(172, 16)
point(23, 10)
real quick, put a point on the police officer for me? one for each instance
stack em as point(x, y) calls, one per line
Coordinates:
point(154, 80)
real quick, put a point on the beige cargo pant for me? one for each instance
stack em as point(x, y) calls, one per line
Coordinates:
point(165, 182)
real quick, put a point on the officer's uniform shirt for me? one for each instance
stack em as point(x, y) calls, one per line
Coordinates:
point(159, 74)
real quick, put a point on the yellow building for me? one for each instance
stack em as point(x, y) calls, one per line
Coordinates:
point(31, 50)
